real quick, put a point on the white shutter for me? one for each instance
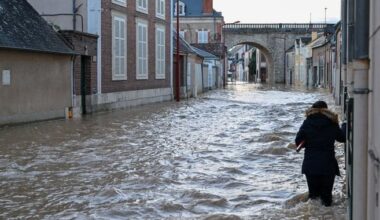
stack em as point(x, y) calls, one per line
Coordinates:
point(160, 52)
point(142, 50)
point(119, 69)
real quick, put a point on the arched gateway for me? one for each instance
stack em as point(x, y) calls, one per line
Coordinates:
point(272, 39)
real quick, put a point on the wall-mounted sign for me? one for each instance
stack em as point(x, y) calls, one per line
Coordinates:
point(6, 79)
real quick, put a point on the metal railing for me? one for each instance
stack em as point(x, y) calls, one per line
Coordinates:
point(277, 27)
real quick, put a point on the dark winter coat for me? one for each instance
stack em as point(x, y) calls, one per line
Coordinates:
point(320, 130)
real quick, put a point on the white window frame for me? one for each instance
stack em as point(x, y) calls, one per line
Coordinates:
point(120, 2)
point(141, 74)
point(203, 36)
point(142, 8)
point(182, 33)
point(160, 8)
point(123, 19)
point(160, 52)
point(181, 9)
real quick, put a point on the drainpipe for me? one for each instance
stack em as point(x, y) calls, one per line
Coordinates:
point(74, 15)
point(203, 84)
point(343, 57)
point(171, 48)
point(373, 144)
point(350, 44)
point(360, 92)
point(178, 84)
point(187, 72)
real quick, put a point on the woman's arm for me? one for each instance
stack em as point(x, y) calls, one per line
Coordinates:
point(300, 134)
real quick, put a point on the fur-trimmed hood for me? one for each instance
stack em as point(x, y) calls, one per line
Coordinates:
point(324, 111)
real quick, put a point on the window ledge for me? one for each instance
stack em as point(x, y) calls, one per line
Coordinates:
point(124, 4)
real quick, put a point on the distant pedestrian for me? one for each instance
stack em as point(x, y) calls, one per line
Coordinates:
point(319, 132)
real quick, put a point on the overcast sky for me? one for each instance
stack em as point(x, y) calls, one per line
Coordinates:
point(278, 11)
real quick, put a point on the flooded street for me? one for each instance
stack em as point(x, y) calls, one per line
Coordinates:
point(226, 154)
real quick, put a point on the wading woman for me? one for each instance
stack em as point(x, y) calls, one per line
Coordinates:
point(318, 133)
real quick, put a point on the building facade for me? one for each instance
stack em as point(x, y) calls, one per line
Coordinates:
point(133, 55)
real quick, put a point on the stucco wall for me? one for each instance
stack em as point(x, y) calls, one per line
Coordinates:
point(40, 86)
point(374, 105)
point(65, 22)
point(191, 25)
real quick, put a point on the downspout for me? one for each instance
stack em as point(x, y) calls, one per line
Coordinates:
point(203, 84)
point(99, 54)
point(360, 93)
point(343, 59)
point(350, 44)
point(373, 144)
point(186, 63)
point(171, 48)
point(69, 113)
point(74, 15)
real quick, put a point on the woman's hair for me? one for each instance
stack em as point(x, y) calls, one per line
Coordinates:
point(319, 104)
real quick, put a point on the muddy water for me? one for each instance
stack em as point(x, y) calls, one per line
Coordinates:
point(226, 155)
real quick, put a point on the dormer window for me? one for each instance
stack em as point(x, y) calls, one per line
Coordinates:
point(181, 9)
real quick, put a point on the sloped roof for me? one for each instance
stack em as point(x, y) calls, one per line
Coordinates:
point(203, 53)
point(290, 49)
point(184, 47)
point(22, 28)
point(194, 8)
point(321, 41)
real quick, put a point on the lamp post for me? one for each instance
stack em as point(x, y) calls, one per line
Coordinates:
point(177, 57)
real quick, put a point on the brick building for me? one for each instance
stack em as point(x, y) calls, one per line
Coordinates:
point(133, 48)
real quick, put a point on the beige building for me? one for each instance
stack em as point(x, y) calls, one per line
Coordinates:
point(201, 26)
point(35, 67)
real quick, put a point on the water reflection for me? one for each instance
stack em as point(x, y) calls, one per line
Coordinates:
point(227, 155)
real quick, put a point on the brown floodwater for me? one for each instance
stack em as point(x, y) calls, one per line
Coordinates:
point(227, 154)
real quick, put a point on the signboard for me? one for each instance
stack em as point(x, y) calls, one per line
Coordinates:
point(6, 79)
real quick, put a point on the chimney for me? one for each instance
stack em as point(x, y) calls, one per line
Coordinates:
point(314, 36)
point(208, 7)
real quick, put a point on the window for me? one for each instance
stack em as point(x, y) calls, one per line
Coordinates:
point(120, 2)
point(119, 47)
point(160, 52)
point(160, 8)
point(182, 33)
point(181, 9)
point(142, 6)
point(203, 36)
point(141, 49)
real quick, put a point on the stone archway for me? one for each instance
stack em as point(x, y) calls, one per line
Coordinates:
point(272, 39)
point(268, 56)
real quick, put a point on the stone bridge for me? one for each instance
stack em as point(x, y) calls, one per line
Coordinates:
point(272, 40)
